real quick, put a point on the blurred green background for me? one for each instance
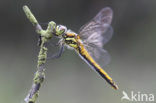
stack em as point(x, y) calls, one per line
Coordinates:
point(69, 79)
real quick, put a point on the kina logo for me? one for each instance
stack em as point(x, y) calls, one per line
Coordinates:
point(138, 97)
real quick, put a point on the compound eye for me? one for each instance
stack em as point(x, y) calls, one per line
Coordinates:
point(60, 29)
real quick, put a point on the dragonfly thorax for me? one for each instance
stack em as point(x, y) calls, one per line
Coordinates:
point(71, 39)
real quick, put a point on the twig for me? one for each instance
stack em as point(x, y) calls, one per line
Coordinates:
point(45, 35)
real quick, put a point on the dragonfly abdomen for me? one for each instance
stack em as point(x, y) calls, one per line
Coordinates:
point(91, 62)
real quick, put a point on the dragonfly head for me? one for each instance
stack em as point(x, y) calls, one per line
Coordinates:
point(60, 30)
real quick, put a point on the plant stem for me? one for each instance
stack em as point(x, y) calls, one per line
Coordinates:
point(45, 35)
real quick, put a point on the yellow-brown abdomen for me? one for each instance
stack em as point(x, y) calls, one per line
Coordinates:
point(91, 62)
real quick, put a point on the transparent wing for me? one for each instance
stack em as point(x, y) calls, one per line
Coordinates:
point(98, 26)
point(98, 38)
point(96, 33)
point(100, 55)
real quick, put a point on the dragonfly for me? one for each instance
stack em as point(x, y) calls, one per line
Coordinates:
point(89, 42)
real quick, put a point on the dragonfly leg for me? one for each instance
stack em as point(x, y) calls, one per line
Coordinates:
point(53, 44)
point(57, 55)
